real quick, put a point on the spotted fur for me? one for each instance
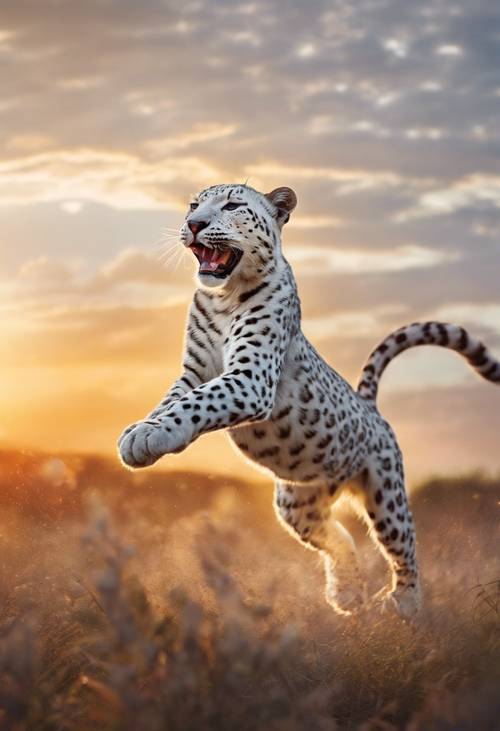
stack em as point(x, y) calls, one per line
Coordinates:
point(248, 368)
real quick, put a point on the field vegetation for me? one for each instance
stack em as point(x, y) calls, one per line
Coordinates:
point(156, 601)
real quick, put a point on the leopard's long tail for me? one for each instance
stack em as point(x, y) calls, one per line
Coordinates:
point(426, 333)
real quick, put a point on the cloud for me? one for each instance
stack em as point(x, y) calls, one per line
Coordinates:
point(349, 324)
point(132, 265)
point(312, 222)
point(94, 336)
point(347, 179)
point(117, 179)
point(199, 134)
point(473, 191)
point(312, 260)
point(449, 49)
point(44, 272)
point(54, 311)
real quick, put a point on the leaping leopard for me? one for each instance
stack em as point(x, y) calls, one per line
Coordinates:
point(249, 368)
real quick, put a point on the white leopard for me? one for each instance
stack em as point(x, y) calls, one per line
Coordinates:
point(249, 368)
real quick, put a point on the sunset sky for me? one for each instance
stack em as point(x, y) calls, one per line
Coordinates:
point(383, 116)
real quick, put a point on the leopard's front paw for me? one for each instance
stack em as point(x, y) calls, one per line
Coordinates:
point(142, 444)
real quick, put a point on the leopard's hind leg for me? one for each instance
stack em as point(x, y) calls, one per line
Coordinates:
point(306, 512)
point(391, 522)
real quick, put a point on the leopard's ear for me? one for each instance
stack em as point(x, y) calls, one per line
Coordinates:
point(285, 201)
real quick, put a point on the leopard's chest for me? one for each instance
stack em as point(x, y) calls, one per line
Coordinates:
point(214, 345)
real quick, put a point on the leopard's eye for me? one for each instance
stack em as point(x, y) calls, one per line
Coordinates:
point(231, 206)
point(193, 206)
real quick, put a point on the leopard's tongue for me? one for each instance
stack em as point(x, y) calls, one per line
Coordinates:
point(211, 259)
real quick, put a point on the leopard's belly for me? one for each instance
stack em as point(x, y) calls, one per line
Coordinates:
point(324, 439)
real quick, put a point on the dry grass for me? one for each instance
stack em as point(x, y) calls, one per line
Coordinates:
point(175, 602)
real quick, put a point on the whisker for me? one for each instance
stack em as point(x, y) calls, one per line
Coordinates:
point(175, 258)
point(173, 253)
point(179, 259)
point(159, 243)
point(168, 236)
point(167, 253)
point(168, 257)
point(166, 246)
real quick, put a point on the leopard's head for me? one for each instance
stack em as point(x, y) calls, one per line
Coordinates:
point(235, 232)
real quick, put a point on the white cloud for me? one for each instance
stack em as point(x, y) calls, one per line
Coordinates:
point(44, 286)
point(45, 272)
point(425, 133)
point(72, 207)
point(326, 124)
point(473, 190)
point(431, 86)
point(449, 50)
point(306, 50)
point(318, 260)
point(80, 83)
point(134, 266)
point(387, 99)
point(117, 179)
point(351, 178)
point(308, 222)
point(398, 48)
point(353, 324)
point(31, 143)
point(197, 134)
point(244, 37)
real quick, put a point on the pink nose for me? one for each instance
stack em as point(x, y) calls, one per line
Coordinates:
point(197, 226)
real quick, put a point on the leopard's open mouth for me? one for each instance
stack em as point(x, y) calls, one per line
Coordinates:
point(218, 262)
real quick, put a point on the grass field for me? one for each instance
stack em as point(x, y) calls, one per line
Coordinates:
point(157, 601)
